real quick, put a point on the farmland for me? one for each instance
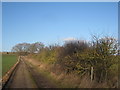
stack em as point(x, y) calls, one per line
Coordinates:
point(7, 62)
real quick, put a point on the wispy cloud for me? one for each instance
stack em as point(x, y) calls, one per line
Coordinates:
point(69, 39)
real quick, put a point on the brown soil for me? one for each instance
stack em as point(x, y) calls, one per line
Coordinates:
point(27, 76)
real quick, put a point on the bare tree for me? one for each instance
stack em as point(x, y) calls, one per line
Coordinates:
point(21, 48)
point(24, 48)
point(35, 47)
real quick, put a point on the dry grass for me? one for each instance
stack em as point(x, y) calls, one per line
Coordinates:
point(67, 80)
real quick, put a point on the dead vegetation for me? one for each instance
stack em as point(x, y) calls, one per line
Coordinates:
point(81, 64)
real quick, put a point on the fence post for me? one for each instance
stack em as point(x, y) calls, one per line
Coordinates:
point(91, 74)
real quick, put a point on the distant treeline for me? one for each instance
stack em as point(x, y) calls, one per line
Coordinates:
point(98, 58)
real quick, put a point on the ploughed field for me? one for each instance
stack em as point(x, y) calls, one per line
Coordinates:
point(8, 60)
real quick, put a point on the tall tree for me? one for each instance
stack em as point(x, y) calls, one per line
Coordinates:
point(36, 47)
point(28, 48)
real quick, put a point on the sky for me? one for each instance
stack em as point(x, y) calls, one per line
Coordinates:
point(50, 22)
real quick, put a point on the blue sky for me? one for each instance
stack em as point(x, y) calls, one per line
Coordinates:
point(54, 22)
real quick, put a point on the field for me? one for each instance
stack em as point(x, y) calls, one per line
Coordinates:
point(7, 62)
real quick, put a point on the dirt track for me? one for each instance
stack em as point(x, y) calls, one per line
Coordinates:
point(26, 76)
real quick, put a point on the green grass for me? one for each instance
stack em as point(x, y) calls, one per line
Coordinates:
point(7, 62)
